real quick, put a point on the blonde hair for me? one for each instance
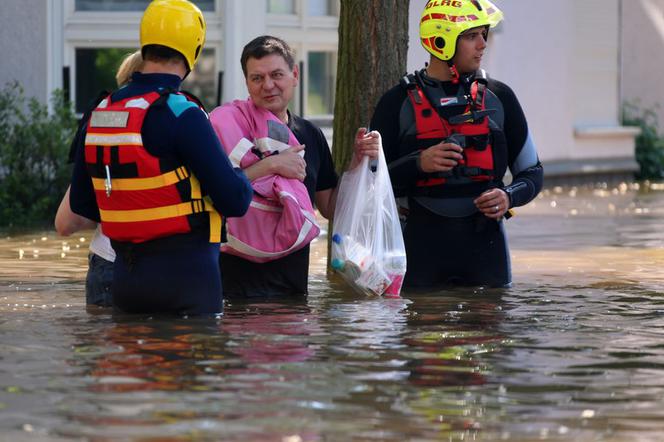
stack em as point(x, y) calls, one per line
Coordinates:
point(131, 63)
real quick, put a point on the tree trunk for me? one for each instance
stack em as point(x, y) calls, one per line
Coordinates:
point(373, 45)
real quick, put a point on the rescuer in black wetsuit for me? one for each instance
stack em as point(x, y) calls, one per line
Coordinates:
point(450, 134)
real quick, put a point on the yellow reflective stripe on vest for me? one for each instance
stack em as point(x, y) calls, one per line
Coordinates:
point(166, 179)
point(195, 188)
point(215, 220)
point(128, 139)
point(138, 215)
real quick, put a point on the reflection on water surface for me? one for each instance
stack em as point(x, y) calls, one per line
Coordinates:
point(575, 351)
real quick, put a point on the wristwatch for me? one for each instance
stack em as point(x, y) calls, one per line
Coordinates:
point(512, 189)
point(508, 190)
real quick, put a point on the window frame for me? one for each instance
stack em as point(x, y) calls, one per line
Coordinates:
point(305, 78)
point(316, 49)
point(216, 4)
point(296, 30)
point(301, 19)
point(285, 16)
point(335, 10)
point(106, 29)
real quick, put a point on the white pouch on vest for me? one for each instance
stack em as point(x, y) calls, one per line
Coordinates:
point(367, 242)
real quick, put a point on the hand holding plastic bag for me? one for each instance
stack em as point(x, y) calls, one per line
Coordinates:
point(367, 243)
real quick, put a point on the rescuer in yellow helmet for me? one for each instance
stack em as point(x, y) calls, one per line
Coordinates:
point(450, 134)
point(443, 22)
point(175, 24)
point(151, 170)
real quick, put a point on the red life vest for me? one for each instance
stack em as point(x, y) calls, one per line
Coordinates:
point(473, 134)
point(141, 197)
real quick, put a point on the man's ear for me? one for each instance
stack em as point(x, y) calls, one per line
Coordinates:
point(296, 74)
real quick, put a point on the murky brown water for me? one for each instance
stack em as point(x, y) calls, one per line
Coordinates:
point(575, 351)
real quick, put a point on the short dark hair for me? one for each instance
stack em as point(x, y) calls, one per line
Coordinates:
point(161, 53)
point(264, 45)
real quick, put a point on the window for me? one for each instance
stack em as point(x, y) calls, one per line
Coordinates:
point(281, 6)
point(130, 5)
point(202, 81)
point(322, 8)
point(96, 68)
point(321, 78)
point(95, 71)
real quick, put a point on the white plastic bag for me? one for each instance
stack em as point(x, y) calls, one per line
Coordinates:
point(367, 243)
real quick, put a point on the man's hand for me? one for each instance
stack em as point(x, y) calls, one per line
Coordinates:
point(366, 144)
point(441, 157)
point(289, 163)
point(493, 203)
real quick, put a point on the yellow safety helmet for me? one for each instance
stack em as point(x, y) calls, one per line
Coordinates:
point(444, 20)
point(176, 24)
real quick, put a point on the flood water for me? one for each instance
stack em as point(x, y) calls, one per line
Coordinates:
point(574, 351)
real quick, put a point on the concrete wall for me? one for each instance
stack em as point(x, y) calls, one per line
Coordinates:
point(601, 143)
point(530, 52)
point(643, 54)
point(23, 45)
point(243, 22)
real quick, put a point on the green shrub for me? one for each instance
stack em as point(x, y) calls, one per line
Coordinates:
point(34, 146)
point(649, 144)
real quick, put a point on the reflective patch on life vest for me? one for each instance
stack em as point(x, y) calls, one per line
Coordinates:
point(133, 184)
point(109, 119)
point(140, 103)
point(114, 140)
point(153, 213)
point(446, 101)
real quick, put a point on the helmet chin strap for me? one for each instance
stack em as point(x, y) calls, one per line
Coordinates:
point(454, 72)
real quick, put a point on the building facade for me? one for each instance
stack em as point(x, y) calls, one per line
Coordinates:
point(76, 45)
point(571, 63)
point(642, 63)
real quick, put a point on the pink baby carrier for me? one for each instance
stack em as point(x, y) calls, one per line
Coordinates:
point(281, 218)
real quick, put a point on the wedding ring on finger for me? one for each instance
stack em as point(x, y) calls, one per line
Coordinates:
point(496, 209)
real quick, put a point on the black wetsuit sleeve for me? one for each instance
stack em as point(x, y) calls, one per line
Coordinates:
point(78, 142)
point(404, 169)
point(82, 195)
point(199, 147)
point(523, 160)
